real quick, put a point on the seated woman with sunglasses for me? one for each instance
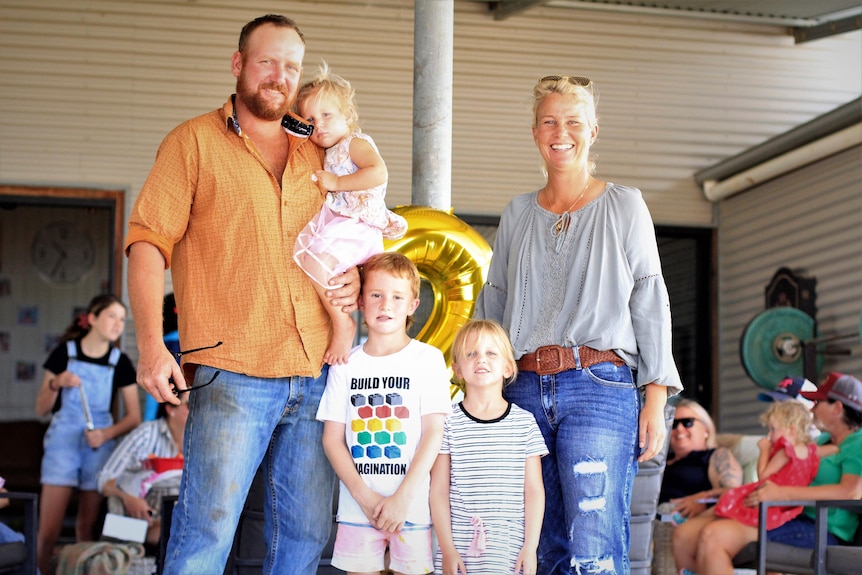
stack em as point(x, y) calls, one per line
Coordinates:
point(697, 470)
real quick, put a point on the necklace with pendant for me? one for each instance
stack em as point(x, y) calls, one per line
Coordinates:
point(562, 222)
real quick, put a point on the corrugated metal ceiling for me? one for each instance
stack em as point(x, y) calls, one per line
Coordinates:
point(806, 19)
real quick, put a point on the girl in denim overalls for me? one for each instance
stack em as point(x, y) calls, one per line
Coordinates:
point(77, 445)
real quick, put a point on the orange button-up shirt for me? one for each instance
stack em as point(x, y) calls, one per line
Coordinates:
point(227, 229)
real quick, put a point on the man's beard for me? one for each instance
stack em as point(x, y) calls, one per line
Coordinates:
point(260, 106)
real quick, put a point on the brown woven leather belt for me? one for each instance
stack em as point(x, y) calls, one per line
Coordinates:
point(551, 359)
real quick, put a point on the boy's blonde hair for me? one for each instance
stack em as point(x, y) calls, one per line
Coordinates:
point(792, 415)
point(327, 84)
point(492, 330)
point(394, 264)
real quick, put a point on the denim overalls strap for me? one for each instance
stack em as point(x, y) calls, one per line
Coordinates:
point(98, 382)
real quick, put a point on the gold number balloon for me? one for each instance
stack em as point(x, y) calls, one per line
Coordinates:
point(453, 258)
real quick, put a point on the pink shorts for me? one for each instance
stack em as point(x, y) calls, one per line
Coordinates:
point(362, 548)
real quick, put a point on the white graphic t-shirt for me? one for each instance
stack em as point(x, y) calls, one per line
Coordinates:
point(381, 401)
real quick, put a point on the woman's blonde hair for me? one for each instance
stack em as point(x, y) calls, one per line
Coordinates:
point(703, 416)
point(326, 84)
point(495, 333)
point(791, 415)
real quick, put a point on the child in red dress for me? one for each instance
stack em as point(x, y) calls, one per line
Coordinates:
point(788, 456)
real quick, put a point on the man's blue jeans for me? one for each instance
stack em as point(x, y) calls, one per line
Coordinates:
point(234, 424)
point(589, 418)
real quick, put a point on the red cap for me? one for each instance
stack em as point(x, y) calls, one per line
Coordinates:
point(841, 387)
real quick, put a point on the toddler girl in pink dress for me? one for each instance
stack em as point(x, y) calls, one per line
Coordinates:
point(353, 221)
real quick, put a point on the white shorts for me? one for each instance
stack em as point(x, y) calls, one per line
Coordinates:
point(362, 548)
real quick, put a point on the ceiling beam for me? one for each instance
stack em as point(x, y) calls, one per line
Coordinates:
point(502, 10)
point(802, 29)
point(831, 28)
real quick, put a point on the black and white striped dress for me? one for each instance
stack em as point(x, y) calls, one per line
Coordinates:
point(486, 478)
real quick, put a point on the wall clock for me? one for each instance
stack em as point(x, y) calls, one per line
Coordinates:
point(62, 252)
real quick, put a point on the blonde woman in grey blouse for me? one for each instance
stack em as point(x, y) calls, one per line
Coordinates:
point(576, 281)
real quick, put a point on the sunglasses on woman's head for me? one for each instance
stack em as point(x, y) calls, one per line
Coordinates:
point(686, 422)
point(576, 80)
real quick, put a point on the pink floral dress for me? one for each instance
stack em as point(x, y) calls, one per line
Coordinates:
point(350, 226)
point(367, 205)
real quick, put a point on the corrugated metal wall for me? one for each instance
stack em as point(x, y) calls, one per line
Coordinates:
point(810, 221)
point(674, 94)
point(90, 87)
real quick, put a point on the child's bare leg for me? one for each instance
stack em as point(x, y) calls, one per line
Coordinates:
point(319, 267)
point(88, 514)
point(343, 330)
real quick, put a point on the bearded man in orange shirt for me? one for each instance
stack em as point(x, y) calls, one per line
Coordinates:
point(222, 206)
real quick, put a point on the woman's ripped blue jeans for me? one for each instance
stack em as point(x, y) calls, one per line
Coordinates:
point(589, 419)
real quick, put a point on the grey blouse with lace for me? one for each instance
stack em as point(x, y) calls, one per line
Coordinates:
point(596, 282)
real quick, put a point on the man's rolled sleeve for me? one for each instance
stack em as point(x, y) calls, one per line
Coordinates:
point(138, 233)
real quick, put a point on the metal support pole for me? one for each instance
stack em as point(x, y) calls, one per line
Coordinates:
point(433, 30)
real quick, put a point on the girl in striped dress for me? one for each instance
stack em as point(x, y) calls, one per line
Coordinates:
point(487, 496)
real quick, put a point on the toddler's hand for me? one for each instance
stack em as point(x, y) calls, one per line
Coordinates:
point(326, 181)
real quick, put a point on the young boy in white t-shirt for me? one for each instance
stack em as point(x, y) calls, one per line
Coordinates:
point(383, 414)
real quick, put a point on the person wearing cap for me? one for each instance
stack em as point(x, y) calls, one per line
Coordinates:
point(838, 411)
point(790, 388)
